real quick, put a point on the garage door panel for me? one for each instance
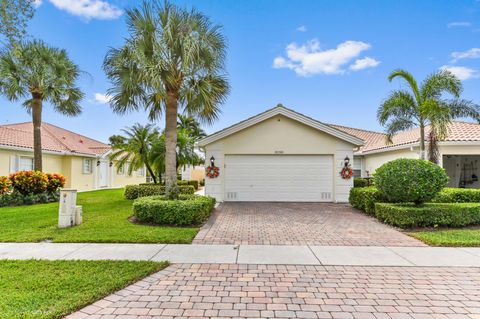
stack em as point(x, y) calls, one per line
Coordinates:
point(278, 178)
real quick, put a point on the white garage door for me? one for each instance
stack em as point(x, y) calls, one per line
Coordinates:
point(279, 178)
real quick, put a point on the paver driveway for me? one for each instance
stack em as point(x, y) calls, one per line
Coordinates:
point(267, 291)
point(322, 224)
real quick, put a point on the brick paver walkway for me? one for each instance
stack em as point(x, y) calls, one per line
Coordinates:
point(298, 224)
point(266, 291)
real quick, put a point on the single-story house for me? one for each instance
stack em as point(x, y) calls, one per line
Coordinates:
point(83, 161)
point(282, 155)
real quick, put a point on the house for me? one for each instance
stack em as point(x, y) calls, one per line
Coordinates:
point(282, 155)
point(83, 161)
point(191, 172)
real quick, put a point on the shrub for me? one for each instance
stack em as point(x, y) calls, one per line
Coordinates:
point(364, 198)
point(458, 195)
point(362, 182)
point(410, 180)
point(55, 181)
point(186, 211)
point(202, 182)
point(136, 191)
point(5, 185)
point(29, 182)
point(429, 215)
point(16, 199)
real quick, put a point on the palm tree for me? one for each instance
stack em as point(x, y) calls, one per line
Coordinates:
point(173, 59)
point(37, 73)
point(136, 149)
point(425, 105)
point(190, 124)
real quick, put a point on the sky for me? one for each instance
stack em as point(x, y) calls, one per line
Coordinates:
point(326, 59)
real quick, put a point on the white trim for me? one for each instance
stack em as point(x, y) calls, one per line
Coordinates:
point(417, 144)
point(27, 149)
point(280, 110)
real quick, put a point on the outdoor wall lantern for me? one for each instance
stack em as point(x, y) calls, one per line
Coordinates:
point(212, 161)
point(98, 163)
point(346, 161)
point(110, 164)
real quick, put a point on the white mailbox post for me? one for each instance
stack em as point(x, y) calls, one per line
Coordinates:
point(67, 208)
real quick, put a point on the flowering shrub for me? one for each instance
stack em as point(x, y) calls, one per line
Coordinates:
point(55, 181)
point(29, 182)
point(5, 185)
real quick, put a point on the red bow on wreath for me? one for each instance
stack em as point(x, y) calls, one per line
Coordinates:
point(212, 171)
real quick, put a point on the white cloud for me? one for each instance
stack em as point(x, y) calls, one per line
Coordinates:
point(472, 53)
point(37, 3)
point(461, 72)
point(101, 98)
point(309, 59)
point(364, 63)
point(302, 28)
point(459, 24)
point(89, 9)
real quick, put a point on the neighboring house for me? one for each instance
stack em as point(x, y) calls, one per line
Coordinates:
point(83, 161)
point(190, 172)
point(282, 155)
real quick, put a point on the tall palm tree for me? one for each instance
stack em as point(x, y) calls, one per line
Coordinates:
point(425, 105)
point(136, 148)
point(37, 73)
point(173, 59)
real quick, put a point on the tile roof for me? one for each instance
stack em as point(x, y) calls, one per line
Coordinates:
point(54, 139)
point(458, 131)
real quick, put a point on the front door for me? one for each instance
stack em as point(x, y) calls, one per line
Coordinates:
point(103, 174)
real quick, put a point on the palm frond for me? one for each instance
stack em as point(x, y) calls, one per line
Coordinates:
point(410, 81)
point(436, 84)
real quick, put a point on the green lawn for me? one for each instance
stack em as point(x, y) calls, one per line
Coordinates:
point(35, 289)
point(450, 237)
point(105, 219)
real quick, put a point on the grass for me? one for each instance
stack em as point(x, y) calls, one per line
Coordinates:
point(35, 289)
point(450, 237)
point(105, 220)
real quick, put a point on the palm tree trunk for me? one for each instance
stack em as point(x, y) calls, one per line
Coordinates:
point(152, 174)
point(422, 141)
point(171, 189)
point(37, 131)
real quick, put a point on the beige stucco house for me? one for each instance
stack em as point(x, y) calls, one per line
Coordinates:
point(83, 161)
point(282, 155)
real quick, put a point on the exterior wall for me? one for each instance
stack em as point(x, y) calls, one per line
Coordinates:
point(79, 180)
point(374, 161)
point(51, 163)
point(123, 179)
point(279, 135)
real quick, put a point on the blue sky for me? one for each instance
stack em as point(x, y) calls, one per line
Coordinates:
point(326, 59)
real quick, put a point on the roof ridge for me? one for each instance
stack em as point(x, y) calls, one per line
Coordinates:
point(56, 138)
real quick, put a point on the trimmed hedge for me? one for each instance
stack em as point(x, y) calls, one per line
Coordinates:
point(188, 210)
point(18, 199)
point(193, 183)
point(429, 215)
point(362, 182)
point(364, 198)
point(458, 195)
point(410, 180)
point(136, 191)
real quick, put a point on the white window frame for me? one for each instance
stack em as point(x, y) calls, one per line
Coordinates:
point(140, 172)
point(87, 169)
point(20, 166)
point(121, 170)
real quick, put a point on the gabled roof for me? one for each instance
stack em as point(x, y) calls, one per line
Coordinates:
point(54, 139)
point(281, 110)
point(457, 131)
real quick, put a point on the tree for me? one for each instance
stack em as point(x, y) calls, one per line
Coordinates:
point(39, 73)
point(173, 59)
point(14, 16)
point(425, 105)
point(116, 140)
point(191, 125)
point(136, 148)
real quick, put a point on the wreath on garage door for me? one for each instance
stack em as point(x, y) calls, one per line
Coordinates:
point(212, 171)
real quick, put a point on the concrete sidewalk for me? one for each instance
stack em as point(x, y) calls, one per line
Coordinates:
point(250, 254)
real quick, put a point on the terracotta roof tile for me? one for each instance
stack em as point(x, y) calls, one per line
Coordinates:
point(457, 132)
point(54, 139)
